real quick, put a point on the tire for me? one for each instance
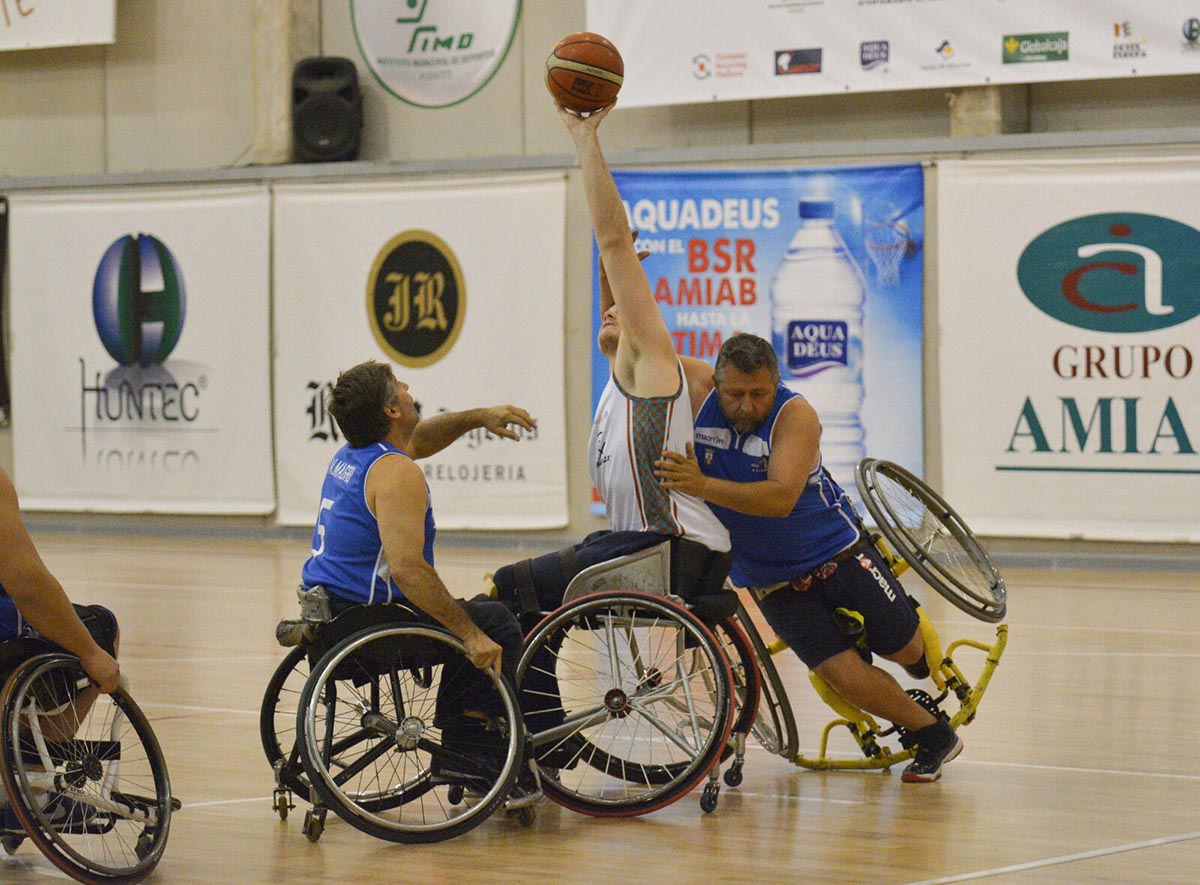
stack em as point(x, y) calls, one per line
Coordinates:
point(105, 822)
point(644, 693)
point(371, 747)
point(932, 538)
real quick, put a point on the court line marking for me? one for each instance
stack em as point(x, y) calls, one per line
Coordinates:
point(197, 709)
point(200, 660)
point(1062, 859)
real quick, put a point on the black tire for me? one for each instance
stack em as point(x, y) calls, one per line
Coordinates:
point(110, 822)
point(672, 679)
point(932, 538)
point(277, 721)
point(369, 742)
point(775, 726)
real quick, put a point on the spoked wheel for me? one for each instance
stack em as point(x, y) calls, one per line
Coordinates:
point(277, 726)
point(631, 698)
point(382, 747)
point(747, 679)
point(932, 538)
point(87, 780)
point(774, 727)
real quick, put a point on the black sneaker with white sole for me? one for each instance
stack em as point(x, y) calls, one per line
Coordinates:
point(936, 745)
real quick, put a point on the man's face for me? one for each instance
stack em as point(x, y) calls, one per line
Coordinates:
point(610, 332)
point(746, 398)
point(406, 408)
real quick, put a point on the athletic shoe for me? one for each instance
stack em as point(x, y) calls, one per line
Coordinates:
point(936, 744)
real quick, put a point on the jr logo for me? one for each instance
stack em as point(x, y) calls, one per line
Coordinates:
point(1144, 272)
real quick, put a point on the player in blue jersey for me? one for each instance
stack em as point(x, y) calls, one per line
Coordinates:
point(33, 603)
point(373, 539)
point(798, 545)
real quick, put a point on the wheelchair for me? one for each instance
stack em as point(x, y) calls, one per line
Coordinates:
point(89, 789)
point(628, 695)
point(919, 530)
point(356, 718)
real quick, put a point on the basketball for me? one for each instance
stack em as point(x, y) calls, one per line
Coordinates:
point(584, 72)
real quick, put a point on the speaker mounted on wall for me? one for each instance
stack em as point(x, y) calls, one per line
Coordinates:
point(326, 110)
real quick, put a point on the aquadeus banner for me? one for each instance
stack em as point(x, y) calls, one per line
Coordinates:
point(687, 51)
point(1069, 306)
point(824, 262)
point(458, 284)
point(140, 350)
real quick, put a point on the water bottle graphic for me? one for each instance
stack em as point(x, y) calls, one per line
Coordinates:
point(817, 296)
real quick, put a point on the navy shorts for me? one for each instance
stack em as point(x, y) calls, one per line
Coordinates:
point(98, 620)
point(863, 583)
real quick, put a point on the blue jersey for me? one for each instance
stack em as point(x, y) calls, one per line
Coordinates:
point(769, 550)
point(10, 618)
point(347, 552)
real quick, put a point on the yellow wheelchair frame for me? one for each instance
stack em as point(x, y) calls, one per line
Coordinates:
point(946, 676)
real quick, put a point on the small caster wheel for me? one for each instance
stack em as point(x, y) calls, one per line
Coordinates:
point(733, 776)
point(11, 842)
point(526, 816)
point(283, 803)
point(454, 794)
point(314, 824)
point(708, 799)
point(143, 846)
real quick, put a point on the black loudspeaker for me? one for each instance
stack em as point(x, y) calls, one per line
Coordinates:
point(326, 110)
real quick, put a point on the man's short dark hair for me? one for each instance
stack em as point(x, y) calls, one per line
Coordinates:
point(746, 353)
point(357, 402)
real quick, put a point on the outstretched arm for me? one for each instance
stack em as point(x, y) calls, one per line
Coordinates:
point(794, 455)
point(39, 596)
point(397, 496)
point(432, 435)
point(645, 362)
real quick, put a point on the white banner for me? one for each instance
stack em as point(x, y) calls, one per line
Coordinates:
point(30, 24)
point(684, 51)
point(140, 350)
point(1068, 303)
point(486, 328)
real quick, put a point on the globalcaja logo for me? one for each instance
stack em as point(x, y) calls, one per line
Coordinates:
point(873, 54)
point(798, 61)
point(138, 300)
point(1025, 48)
point(416, 298)
point(1191, 35)
point(1114, 272)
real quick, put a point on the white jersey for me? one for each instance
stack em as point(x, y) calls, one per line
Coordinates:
point(629, 434)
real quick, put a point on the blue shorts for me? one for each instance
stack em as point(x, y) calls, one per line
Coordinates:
point(863, 583)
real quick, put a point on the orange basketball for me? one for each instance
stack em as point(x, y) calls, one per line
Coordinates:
point(584, 72)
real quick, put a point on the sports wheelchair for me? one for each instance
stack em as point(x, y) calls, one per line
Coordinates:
point(922, 532)
point(355, 718)
point(628, 699)
point(86, 783)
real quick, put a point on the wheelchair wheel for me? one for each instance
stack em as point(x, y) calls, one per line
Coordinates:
point(631, 698)
point(90, 789)
point(385, 742)
point(746, 676)
point(277, 721)
point(932, 538)
point(774, 727)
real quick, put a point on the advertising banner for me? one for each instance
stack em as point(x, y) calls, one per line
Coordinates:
point(459, 285)
point(1068, 299)
point(722, 51)
point(140, 350)
point(827, 263)
point(26, 24)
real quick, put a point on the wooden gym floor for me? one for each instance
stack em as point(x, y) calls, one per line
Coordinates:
point(1080, 767)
